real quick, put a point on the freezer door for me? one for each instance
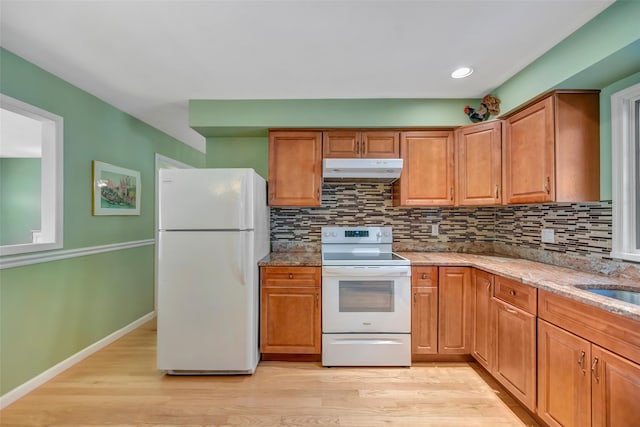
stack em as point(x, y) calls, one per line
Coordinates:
point(206, 199)
point(207, 302)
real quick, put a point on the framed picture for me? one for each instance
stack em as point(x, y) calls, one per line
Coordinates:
point(116, 190)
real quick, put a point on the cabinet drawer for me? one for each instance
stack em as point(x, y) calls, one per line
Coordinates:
point(609, 330)
point(290, 276)
point(424, 276)
point(516, 293)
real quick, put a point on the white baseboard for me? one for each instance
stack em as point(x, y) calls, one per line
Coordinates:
point(32, 384)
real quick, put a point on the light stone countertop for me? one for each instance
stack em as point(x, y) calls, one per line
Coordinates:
point(558, 280)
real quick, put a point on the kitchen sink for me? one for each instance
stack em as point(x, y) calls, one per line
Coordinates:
point(620, 294)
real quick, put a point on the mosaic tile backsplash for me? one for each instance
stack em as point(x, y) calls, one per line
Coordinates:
point(582, 230)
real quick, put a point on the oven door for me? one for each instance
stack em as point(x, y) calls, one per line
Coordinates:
point(366, 299)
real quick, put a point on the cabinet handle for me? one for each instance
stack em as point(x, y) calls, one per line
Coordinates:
point(317, 300)
point(290, 275)
point(425, 276)
point(547, 185)
point(414, 297)
point(508, 310)
point(497, 188)
point(581, 360)
point(357, 147)
point(594, 369)
point(451, 193)
point(489, 286)
point(512, 293)
point(363, 147)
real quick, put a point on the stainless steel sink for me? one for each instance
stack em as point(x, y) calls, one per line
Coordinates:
point(625, 295)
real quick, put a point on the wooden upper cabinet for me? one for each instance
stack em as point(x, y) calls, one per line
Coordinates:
point(427, 173)
point(295, 168)
point(479, 164)
point(551, 149)
point(366, 144)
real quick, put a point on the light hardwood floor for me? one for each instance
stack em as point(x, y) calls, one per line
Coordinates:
point(120, 385)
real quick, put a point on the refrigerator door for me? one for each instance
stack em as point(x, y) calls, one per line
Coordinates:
point(207, 199)
point(207, 302)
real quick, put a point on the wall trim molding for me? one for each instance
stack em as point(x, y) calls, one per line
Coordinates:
point(35, 382)
point(21, 260)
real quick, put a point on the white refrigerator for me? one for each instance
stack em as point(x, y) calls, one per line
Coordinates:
point(213, 229)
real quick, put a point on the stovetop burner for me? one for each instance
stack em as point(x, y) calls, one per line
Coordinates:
point(359, 246)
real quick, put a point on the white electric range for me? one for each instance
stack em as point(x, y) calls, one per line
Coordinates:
point(366, 299)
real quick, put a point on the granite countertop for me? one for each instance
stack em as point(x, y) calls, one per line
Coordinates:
point(558, 280)
point(291, 259)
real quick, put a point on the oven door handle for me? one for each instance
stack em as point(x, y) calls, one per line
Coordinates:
point(362, 271)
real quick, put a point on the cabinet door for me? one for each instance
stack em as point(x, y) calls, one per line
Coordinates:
point(295, 168)
point(564, 379)
point(454, 310)
point(341, 144)
point(528, 154)
point(290, 320)
point(380, 144)
point(515, 352)
point(424, 321)
point(479, 164)
point(427, 173)
point(615, 389)
point(481, 341)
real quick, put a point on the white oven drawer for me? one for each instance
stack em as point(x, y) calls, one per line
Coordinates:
point(366, 350)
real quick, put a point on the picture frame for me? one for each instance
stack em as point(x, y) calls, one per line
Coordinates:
point(115, 190)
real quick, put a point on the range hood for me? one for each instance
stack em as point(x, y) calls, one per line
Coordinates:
point(361, 170)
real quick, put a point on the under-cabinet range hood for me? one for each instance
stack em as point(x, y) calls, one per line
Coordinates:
point(361, 170)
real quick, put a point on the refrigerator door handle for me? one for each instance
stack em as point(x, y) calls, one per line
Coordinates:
point(242, 248)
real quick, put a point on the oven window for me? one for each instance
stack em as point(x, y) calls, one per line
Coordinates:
point(365, 296)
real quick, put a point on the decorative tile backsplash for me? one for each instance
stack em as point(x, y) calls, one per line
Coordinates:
point(582, 230)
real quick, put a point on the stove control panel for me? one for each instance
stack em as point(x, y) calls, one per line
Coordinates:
point(331, 235)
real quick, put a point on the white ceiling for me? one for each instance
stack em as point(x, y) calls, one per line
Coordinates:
point(148, 58)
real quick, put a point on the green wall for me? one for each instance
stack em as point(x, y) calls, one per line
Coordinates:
point(19, 199)
point(61, 307)
point(239, 152)
point(600, 39)
point(52, 310)
point(605, 131)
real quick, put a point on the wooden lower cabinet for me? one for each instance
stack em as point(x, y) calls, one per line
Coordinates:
point(580, 384)
point(615, 390)
point(455, 300)
point(290, 309)
point(424, 310)
point(482, 333)
point(564, 378)
point(514, 363)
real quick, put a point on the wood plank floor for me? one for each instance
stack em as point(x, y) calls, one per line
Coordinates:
point(120, 385)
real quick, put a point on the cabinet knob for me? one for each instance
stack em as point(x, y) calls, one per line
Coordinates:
point(290, 275)
point(512, 293)
point(425, 276)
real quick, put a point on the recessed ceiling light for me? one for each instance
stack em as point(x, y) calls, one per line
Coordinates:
point(462, 72)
